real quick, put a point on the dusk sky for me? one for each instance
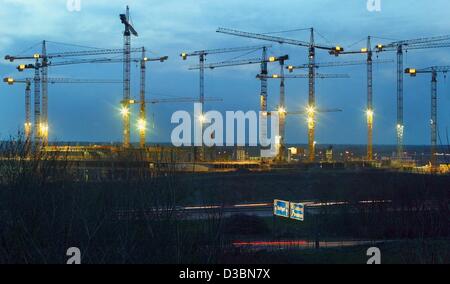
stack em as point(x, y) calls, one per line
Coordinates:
point(89, 112)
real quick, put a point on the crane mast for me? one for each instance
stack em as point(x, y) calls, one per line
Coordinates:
point(44, 85)
point(37, 105)
point(263, 94)
point(369, 110)
point(311, 99)
point(126, 82)
point(142, 121)
point(28, 110)
point(282, 115)
point(433, 121)
point(129, 30)
point(400, 123)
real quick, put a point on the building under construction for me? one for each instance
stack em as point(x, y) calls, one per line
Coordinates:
point(94, 161)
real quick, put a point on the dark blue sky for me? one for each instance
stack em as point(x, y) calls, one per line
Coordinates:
point(89, 113)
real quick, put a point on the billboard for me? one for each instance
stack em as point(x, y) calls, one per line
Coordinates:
point(281, 208)
point(297, 211)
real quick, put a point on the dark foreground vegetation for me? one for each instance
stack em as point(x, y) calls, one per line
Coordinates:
point(45, 208)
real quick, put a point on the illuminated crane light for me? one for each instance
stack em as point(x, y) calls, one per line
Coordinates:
point(310, 110)
point(400, 129)
point(43, 128)
point(142, 125)
point(124, 111)
point(369, 114)
point(281, 110)
point(202, 118)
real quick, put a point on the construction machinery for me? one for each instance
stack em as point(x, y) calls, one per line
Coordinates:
point(311, 113)
point(129, 30)
point(282, 110)
point(434, 70)
point(47, 63)
point(41, 127)
point(369, 108)
point(41, 62)
point(312, 46)
point(28, 124)
point(400, 47)
point(263, 61)
point(202, 58)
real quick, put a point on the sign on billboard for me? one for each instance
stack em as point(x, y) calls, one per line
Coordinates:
point(297, 211)
point(281, 208)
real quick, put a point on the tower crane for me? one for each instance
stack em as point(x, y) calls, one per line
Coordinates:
point(311, 113)
point(399, 47)
point(27, 81)
point(262, 61)
point(263, 76)
point(312, 46)
point(28, 124)
point(42, 62)
point(434, 107)
point(202, 58)
point(129, 30)
point(369, 109)
point(37, 66)
point(282, 111)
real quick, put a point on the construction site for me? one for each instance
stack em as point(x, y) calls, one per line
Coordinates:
point(33, 75)
point(144, 137)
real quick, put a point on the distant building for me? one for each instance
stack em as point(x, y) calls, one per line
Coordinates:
point(329, 154)
point(241, 154)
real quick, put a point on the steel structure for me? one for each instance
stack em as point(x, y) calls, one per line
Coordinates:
point(41, 63)
point(202, 58)
point(434, 70)
point(400, 47)
point(369, 108)
point(312, 46)
point(282, 110)
point(129, 30)
point(263, 61)
point(37, 66)
point(27, 81)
